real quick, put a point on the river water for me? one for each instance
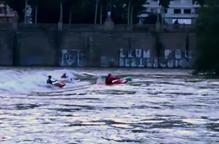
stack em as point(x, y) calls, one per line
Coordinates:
point(156, 107)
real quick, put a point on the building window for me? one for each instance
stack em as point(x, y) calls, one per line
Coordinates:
point(187, 11)
point(177, 11)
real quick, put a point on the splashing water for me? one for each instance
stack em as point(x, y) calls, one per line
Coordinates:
point(156, 107)
point(26, 81)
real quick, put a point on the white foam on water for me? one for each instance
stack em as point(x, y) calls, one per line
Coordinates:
point(27, 81)
point(153, 108)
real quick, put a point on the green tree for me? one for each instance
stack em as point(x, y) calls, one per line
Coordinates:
point(201, 2)
point(77, 10)
point(164, 3)
point(136, 8)
point(126, 11)
point(207, 52)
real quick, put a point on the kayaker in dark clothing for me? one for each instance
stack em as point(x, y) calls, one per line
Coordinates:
point(50, 81)
point(64, 76)
point(54, 82)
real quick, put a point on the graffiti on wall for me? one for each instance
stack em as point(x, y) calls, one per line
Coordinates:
point(143, 58)
point(72, 57)
point(134, 58)
point(131, 58)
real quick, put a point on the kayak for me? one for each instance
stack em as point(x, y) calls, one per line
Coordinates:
point(57, 84)
point(119, 81)
point(66, 80)
point(101, 80)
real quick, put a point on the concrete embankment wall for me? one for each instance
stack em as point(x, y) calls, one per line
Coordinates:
point(81, 46)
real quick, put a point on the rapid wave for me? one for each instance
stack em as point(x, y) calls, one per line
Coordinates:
point(27, 81)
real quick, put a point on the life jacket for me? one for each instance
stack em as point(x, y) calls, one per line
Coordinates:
point(109, 80)
point(49, 81)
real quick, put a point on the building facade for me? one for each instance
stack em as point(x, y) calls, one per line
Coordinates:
point(179, 11)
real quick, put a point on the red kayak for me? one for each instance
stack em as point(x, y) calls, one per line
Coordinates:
point(112, 80)
point(59, 84)
point(118, 81)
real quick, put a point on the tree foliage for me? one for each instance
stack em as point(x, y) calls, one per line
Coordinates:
point(201, 2)
point(83, 11)
point(80, 11)
point(164, 3)
point(127, 11)
point(208, 38)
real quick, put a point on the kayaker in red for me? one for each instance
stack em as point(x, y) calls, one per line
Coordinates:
point(110, 80)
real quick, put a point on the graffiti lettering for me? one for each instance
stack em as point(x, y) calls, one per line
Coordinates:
point(72, 57)
point(142, 58)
